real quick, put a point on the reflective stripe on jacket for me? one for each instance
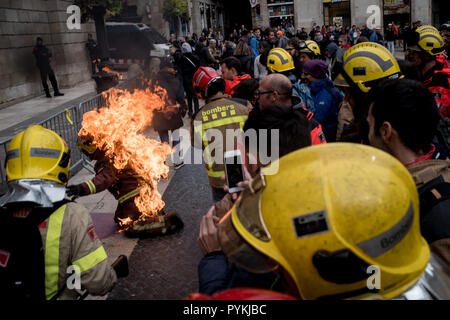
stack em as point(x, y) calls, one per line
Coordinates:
point(69, 238)
point(120, 184)
point(221, 114)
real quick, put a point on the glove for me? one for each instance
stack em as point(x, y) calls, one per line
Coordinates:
point(120, 266)
point(74, 191)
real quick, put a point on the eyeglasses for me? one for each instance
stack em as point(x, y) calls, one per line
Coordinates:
point(289, 49)
point(260, 93)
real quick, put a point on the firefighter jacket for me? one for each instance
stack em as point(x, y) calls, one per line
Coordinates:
point(222, 114)
point(435, 219)
point(124, 185)
point(438, 82)
point(69, 238)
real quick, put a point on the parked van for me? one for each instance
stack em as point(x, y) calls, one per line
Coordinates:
point(131, 43)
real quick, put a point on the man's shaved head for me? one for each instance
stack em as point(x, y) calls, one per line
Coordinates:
point(279, 82)
point(282, 87)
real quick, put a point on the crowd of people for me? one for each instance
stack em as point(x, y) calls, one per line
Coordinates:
point(315, 227)
point(303, 231)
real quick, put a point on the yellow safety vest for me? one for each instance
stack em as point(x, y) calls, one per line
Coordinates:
point(201, 129)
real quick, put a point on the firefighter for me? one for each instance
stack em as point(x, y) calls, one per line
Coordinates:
point(219, 113)
point(42, 234)
point(365, 65)
point(425, 51)
point(353, 232)
point(309, 50)
point(280, 66)
point(43, 55)
point(124, 185)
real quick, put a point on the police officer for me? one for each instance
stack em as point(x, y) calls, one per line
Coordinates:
point(43, 55)
point(91, 45)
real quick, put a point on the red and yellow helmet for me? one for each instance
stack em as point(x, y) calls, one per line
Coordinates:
point(202, 79)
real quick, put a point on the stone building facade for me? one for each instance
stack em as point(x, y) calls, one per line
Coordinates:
point(304, 13)
point(202, 13)
point(21, 22)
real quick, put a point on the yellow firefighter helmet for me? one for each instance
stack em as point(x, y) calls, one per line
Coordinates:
point(331, 216)
point(38, 153)
point(365, 64)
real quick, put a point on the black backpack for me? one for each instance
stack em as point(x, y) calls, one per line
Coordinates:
point(22, 265)
point(435, 210)
point(22, 262)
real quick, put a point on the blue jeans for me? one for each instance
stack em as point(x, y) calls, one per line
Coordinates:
point(391, 47)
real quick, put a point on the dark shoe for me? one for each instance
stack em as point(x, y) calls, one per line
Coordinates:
point(58, 94)
point(178, 165)
point(174, 222)
point(48, 95)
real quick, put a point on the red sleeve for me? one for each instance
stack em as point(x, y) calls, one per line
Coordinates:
point(442, 97)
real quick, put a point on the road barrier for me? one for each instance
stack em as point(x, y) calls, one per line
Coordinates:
point(67, 123)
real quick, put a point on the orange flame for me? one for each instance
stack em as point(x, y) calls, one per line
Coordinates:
point(117, 130)
point(109, 70)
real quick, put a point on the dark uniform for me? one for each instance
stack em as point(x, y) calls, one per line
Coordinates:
point(91, 45)
point(43, 55)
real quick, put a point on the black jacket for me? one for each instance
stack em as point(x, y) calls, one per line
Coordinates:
point(247, 64)
point(166, 118)
point(91, 45)
point(42, 55)
point(187, 64)
point(390, 35)
point(205, 57)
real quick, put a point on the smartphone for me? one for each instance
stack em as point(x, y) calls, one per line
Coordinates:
point(234, 170)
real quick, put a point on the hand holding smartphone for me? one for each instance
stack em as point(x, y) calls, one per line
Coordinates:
point(234, 170)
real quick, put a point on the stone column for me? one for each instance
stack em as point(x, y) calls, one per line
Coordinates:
point(262, 19)
point(307, 12)
point(196, 18)
point(359, 13)
point(421, 10)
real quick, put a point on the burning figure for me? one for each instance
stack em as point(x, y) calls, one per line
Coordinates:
point(128, 164)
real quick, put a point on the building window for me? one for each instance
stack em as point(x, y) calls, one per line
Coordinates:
point(280, 12)
point(336, 12)
point(397, 11)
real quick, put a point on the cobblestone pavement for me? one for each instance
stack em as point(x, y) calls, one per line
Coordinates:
point(166, 267)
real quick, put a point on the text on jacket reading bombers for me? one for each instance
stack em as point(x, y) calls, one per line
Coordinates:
point(218, 109)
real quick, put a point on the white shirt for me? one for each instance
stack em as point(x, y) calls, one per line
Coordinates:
point(259, 70)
